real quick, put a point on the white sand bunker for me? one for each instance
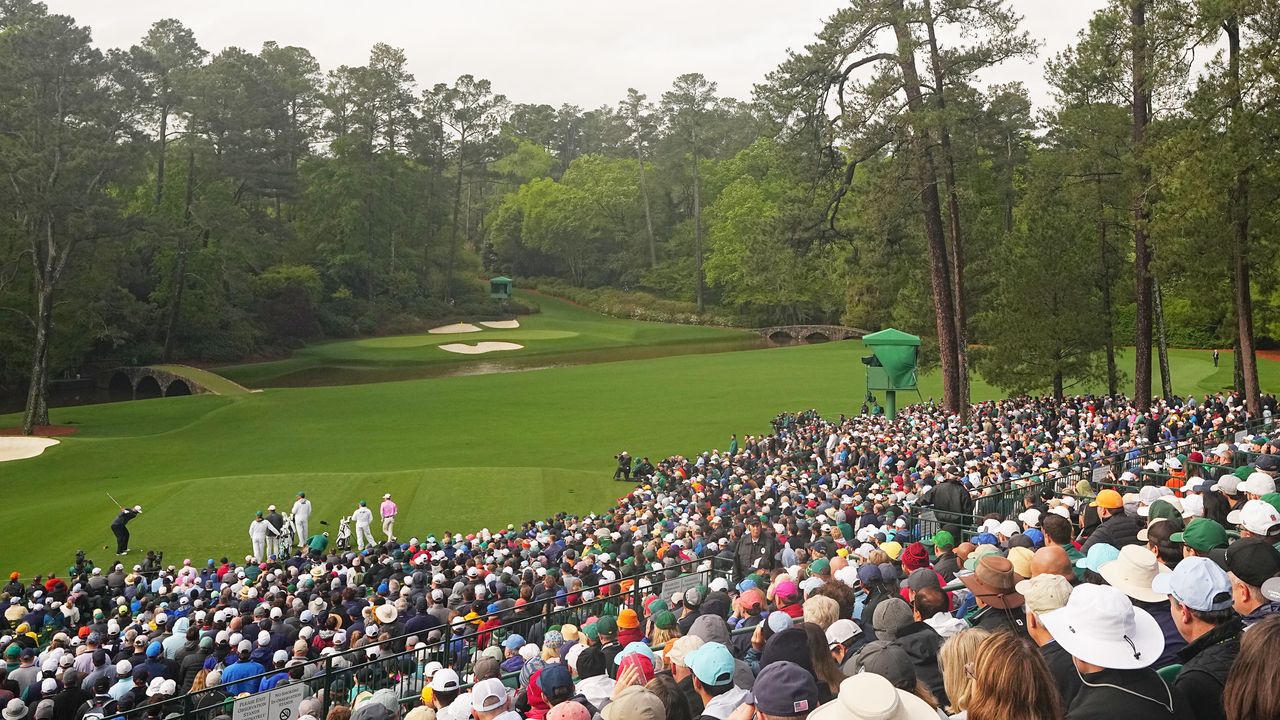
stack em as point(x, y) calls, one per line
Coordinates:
point(21, 448)
point(454, 328)
point(502, 324)
point(479, 348)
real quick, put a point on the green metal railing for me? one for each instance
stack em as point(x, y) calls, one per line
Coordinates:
point(336, 678)
point(1009, 496)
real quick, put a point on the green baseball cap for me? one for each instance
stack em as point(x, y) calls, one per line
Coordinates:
point(591, 631)
point(1162, 509)
point(665, 620)
point(1202, 535)
point(607, 625)
point(1272, 499)
point(942, 538)
point(819, 566)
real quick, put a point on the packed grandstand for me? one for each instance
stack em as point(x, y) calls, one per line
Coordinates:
point(1041, 559)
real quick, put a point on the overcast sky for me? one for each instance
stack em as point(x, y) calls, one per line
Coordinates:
point(585, 52)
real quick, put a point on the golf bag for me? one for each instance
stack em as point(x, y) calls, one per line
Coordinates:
point(344, 534)
point(284, 540)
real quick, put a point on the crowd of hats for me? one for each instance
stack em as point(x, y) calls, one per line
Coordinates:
point(841, 501)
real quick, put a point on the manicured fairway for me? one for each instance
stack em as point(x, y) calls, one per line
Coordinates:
point(457, 452)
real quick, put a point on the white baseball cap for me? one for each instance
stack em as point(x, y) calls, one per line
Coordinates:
point(1256, 516)
point(1259, 483)
point(488, 695)
point(445, 680)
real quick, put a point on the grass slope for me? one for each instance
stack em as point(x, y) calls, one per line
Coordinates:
point(457, 452)
point(561, 328)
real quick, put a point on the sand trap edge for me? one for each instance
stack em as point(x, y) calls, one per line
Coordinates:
point(23, 448)
point(479, 348)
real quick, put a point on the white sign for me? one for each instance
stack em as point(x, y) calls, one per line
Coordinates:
point(279, 704)
point(680, 584)
point(1240, 436)
point(1100, 474)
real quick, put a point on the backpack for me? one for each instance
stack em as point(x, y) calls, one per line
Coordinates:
point(96, 709)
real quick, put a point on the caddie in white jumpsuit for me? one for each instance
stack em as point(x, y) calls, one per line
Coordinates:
point(302, 518)
point(363, 518)
point(259, 531)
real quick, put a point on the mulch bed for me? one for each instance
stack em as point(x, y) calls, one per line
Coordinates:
point(42, 431)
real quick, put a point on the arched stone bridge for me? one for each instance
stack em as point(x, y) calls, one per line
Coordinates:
point(154, 381)
point(811, 332)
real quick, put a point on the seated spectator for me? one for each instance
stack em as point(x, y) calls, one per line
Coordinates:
point(1114, 645)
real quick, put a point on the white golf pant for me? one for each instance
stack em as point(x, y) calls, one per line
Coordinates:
point(301, 525)
point(259, 549)
point(388, 523)
point(364, 536)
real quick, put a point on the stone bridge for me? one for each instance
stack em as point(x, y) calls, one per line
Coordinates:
point(811, 332)
point(154, 381)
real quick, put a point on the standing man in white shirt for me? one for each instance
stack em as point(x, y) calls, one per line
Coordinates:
point(302, 518)
point(363, 518)
point(389, 511)
point(259, 532)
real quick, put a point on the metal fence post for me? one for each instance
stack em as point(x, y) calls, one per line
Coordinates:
point(327, 680)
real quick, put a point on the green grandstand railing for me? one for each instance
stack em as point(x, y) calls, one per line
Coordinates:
point(333, 676)
point(1009, 496)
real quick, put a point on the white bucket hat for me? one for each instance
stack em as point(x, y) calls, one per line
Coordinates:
point(867, 695)
point(1132, 573)
point(1100, 626)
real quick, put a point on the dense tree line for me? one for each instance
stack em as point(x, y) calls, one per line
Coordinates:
point(167, 202)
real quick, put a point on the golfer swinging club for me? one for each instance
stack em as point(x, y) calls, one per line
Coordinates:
point(118, 526)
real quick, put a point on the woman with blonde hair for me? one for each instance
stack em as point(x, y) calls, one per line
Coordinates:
point(1253, 685)
point(665, 630)
point(1011, 682)
point(955, 654)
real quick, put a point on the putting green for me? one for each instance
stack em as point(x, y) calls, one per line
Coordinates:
point(417, 341)
point(456, 452)
point(561, 328)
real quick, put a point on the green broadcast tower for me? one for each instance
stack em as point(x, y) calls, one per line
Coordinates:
point(892, 366)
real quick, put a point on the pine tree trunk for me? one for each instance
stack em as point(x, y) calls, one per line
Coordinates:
point(179, 280)
point(1141, 214)
point(1239, 204)
point(1162, 344)
point(453, 234)
point(648, 215)
point(164, 140)
point(931, 210)
point(956, 248)
point(37, 410)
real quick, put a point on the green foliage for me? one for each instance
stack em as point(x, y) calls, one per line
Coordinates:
point(249, 201)
point(1048, 271)
point(634, 304)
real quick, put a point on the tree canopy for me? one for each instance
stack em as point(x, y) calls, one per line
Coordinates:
point(171, 202)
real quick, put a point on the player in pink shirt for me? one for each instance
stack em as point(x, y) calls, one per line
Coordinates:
point(389, 511)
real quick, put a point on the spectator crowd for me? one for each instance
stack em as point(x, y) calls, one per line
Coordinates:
point(1041, 559)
